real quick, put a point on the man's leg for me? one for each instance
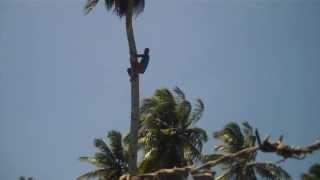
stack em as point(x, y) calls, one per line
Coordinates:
point(135, 65)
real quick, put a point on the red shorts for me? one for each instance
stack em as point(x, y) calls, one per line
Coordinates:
point(136, 65)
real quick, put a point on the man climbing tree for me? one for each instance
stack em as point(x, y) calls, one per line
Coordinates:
point(127, 9)
point(140, 67)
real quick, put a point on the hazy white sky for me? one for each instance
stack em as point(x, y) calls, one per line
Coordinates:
point(63, 77)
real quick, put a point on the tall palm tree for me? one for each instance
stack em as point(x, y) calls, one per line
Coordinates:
point(168, 133)
point(111, 160)
point(313, 174)
point(127, 8)
point(246, 167)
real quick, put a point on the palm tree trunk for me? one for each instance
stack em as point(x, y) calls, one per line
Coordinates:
point(133, 147)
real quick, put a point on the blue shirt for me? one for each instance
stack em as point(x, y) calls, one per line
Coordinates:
point(144, 62)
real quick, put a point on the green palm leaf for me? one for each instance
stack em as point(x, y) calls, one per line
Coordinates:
point(232, 136)
point(315, 170)
point(270, 171)
point(211, 157)
point(90, 4)
point(244, 167)
point(196, 137)
point(92, 160)
point(149, 161)
point(119, 7)
point(101, 173)
point(166, 133)
point(313, 174)
point(103, 147)
point(111, 160)
point(196, 113)
point(183, 111)
point(179, 95)
point(116, 145)
point(230, 173)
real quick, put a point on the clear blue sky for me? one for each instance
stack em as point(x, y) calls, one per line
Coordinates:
point(63, 77)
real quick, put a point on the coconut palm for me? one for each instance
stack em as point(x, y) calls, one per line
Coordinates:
point(168, 134)
point(313, 174)
point(127, 8)
point(246, 167)
point(111, 161)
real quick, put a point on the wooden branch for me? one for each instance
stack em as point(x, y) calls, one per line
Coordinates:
point(281, 149)
point(226, 158)
point(284, 150)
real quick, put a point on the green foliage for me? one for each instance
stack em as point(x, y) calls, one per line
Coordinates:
point(111, 160)
point(119, 7)
point(313, 174)
point(232, 137)
point(269, 170)
point(167, 133)
point(234, 140)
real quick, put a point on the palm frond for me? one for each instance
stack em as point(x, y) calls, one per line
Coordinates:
point(152, 138)
point(105, 173)
point(164, 96)
point(179, 95)
point(120, 7)
point(270, 171)
point(192, 153)
point(231, 135)
point(103, 147)
point(183, 111)
point(138, 6)
point(90, 4)
point(313, 174)
point(165, 127)
point(110, 3)
point(197, 112)
point(91, 160)
point(160, 108)
point(126, 139)
point(211, 157)
point(194, 139)
point(247, 130)
point(315, 170)
point(148, 106)
point(230, 173)
point(149, 161)
point(307, 177)
point(116, 147)
point(197, 135)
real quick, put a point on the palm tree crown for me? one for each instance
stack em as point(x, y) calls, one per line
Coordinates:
point(244, 168)
point(119, 7)
point(168, 133)
point(111, 161)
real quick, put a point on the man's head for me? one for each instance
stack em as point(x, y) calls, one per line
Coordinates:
point(146, 51)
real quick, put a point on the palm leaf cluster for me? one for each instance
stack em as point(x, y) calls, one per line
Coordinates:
point(119, 7)
point(313, 174)
point(244, 168)
point(167, 131)
point(111, 161)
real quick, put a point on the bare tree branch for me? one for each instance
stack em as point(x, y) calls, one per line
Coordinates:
point(266, 146)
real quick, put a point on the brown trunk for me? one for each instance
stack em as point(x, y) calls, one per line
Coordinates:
point(133, 147)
